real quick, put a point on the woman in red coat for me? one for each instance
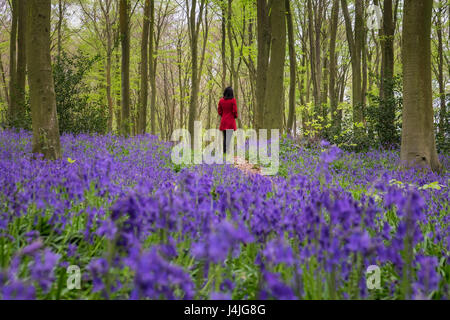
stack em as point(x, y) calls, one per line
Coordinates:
point(228, 112)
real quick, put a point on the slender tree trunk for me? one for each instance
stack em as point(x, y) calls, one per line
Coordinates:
point(59, 26)
point(125, 41)
point(274, 111)
point(13, 63)
point(118, 93)
point(333, 61)
point(234, 72)
point(292, 66)
point(194, 28)
point(323, 99)
point(314, 45)
point(442, 113)
point(152, 69)
point(106, 9)
point(108, 85)
point(356, 44)
point(21, 59)
point(42, 91)
point(264, 42)
point(180, 82)
point(223, 48)
point(418, 141)
point(3, 77)
point(144, 70)
point(387, 114)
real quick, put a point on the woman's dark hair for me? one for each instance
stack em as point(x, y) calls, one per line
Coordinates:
point(228, 93)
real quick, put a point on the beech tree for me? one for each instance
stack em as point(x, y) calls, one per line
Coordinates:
point(355, 42)
point(273, 113)
point(144, 69)
point(194, 21)
point(125, 70)
point(418, 146)
point(40, 78)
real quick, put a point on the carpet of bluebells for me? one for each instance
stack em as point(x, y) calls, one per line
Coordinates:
point(139, 227)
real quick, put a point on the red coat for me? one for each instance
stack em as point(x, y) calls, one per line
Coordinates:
point(228, 111)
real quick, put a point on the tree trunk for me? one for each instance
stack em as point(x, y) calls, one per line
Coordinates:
point(42, 91)
point(59, 26)
point(418, 141)
point(223, 48)
point(144, 70)
point(234, 72)
point(314, 45)
point(180, 81)
point(13, 63)
point(264, 42)
point(387, 113)
point(118, 93)
point(292, 67)
point(442, 113)
point(125, 41)
point(194, 28)
point(333, 62)
point(274, 111)
point(108, 86)
point(356, 44)
point(152, 68)
point(21, 60)
point(4, 85)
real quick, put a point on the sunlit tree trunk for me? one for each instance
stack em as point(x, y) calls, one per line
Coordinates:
point(42, 92)
point(356, 42)
point(418, 141)
point(275, 96)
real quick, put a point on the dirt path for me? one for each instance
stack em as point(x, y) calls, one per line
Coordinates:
point(245, 166)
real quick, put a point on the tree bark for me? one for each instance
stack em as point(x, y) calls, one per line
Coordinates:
point(387, 114)
point(418, 146)
point(3, 77)
point(13, 63)
point(152, 69)
point(144, 69)
point(223, 48)
point(125, 42)
point(355, 42)
point(314, 46)
point(264, 43)
point(194, 28)
point(59, 26)
point(234, 73)
point(292, 67)
point(442, 112)
point(42, 91)
point(275, 96)
point(21, 60)
point(333, 62)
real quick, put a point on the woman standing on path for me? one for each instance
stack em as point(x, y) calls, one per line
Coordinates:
point(228, 112)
